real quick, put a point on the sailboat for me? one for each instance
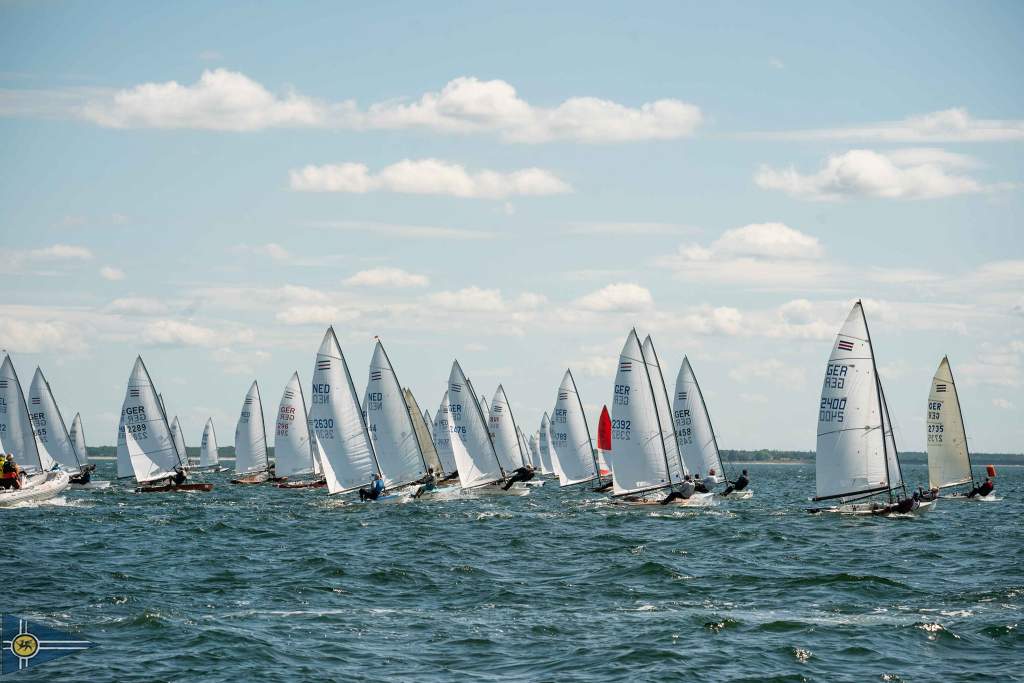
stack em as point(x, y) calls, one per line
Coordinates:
point(570, 437)
point(856, 456)
point(78, 438)
point(604, 450)
point(155, 460)
point(51, 432)
point(548, 457)
point(252, 462)
point(505, 432)
point(480, 470)
point(668, 426)
point(443, 439)
point(949, 457)
point(40, 477)
point(424, 435)
point(296, 453)
point(179, 441)
point(209, 453)
point(538, 463)
point(697, 441)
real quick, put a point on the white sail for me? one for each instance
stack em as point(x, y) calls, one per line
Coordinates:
point(570, 436)
point(52, 438)
point(524, 446)
point(179, 439)
point(851, 450)
point(443, 437)
point(547, 449)
point(337, 420)
point(251, 435)
point(949, 459)
point(891, 453)
point(640, 458)
point(426, 418)
point(16, 433)
point(148, 441)
point(471, 442)
point(424, 433)
point(504, 432)
point(390, 424)
point(78, 438)
point(124, 461)
point(693, 426)
point(209, 454)
point(668, 428)
point(535, 458)
point(293, 450)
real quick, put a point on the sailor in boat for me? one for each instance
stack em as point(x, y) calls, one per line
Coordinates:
point(685, 490)
point(427, 482)
point(524, 473)
point(376, 488)
point(986, 487)
point(179, 477)
point(10, 477)
point(704, 484)
point(741, 483)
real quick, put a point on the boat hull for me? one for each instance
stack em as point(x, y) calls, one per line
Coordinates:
point(875, 510)
point(696, 500)
point(174, 488)
point(92, 484)
point(255, 478)
point(990, 498)
point(497, 490)
point(745, 494)
point(37, 487)
point(318, 484)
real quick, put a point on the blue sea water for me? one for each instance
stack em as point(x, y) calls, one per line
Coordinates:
point(259, 584)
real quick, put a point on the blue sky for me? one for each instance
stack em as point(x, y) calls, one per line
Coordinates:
point(516, 186)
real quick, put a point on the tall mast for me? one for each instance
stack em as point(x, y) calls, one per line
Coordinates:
point(703, 405)
point(362, 413)
point(163, 412)
point(668, 404)
point(881, 406)
point(412, 426)
point(657, 413)
point(590, 441)
point(480, 413)
point(515, 427)
point(74, 448)
point(963, 425)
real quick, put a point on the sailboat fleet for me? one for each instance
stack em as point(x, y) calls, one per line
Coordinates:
point(653, 447)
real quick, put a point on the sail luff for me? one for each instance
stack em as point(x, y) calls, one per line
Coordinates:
point(390, 425)
point(19, 435)
point(883, 408)
point(48, 426)
point(78, 438)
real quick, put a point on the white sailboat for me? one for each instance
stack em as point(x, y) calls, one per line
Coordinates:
point(252, 462)
point(209, 452)
point(51, 433)
point(179, 440)
point(41, 479)
point(78, 438)
point(505, 432)
point(668, 427)
point(949, 457)
point(295, 452)
point(856, 454)
point(570, 436)
point(424, 434)
point(538, 463)
point(336, 417)
point(547, 450)
point(390, 425)
point(443, 439)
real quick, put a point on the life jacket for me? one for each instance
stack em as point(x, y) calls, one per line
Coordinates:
point(10, 470)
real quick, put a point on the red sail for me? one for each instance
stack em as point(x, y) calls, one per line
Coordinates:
point(604, 431)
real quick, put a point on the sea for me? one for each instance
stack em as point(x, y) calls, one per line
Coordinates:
point(254, 583)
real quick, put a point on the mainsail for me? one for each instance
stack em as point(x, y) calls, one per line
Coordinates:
point(640, 458)
point(471, 442)
point(423, 426)
point(443, 437)
point(949, 458)
point(570, 436)
point(854, 433)
point(535, 458)
point(693, 426)
point(668, 428)
point(78, 438)
point(251, 435)
point(179, 439)
point(293, 449)
point(16, 434)
point(390, 424)
point(504, 432)
point(147, 435)
point(337, 420)
point(52, 438)
point(547, 449)
point(209, 456)
point(524, 447)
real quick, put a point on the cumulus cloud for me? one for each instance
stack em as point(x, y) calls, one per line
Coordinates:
point(624, 297)
point(136, 306)
point(426, 176)
point(271, 250)
point(38, 336)
point(628, 228)
point(1002, 404)
point(111, 273)
point(471, 298)
point(51, 254)
point(430, 232)
point(905, 174)
point(320, 314)
point(180, 333)
point(948, 125)
point(387, 277)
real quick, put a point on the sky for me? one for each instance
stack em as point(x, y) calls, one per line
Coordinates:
point(515, 185)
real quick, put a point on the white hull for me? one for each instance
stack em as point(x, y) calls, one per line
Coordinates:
point(94, 484)
point(696, 500)
point(497, 490)
point(990, 498)
point(534, 482)
point(37, 487)
point(876, 510)
point(745, 494)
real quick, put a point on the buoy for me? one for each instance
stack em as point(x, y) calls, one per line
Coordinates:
point(991, 470)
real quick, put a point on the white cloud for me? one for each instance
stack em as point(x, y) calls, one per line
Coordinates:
point(136, 306)
point(772, 240)
point(38, 336)
point(530, 301)
point(714, 320)
point(1002, 404)
point(618, 297)
point(777, 63)
point(387, 277)
point(471, 298)
point(315, 314)
point(111, 273)
point(411, 231)
point(271, 249)
point(426, 176)
point(907, 174)
point(948, 125)
point(628, 228)
point(178, 333)
point(56, 252)
point(238, 362)
point(995, 365)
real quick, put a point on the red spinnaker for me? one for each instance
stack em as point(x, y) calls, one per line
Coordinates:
point(604, 431)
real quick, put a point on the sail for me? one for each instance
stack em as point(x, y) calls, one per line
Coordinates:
point(547, 449)
point(524, 447)
point(337, 420)
point(504, 432)
point(949, 460)
point(570, 436)
point(52, 438)
point(471, 442)
point(124, 461)
point(421, 423)
point(16, 432)
point(604, 442)
point(209, 455)
point(179, 439)
point(293, 451)
point(693, 426)
point(78, 438)
point(640, 461)
point(390, 424)
point(251, 435)
point(891, 454)
point(147, 435)
point(850, 457)
point(668, 428)
point(443, 437)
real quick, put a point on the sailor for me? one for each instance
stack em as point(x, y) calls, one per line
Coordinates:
point(986, 487)
point(179, 477)
point(524, 473)
point(741, 483)
point(427, 482)
point(376, 488)
point(701, 485)
point(685, 490)
point(9, 476)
